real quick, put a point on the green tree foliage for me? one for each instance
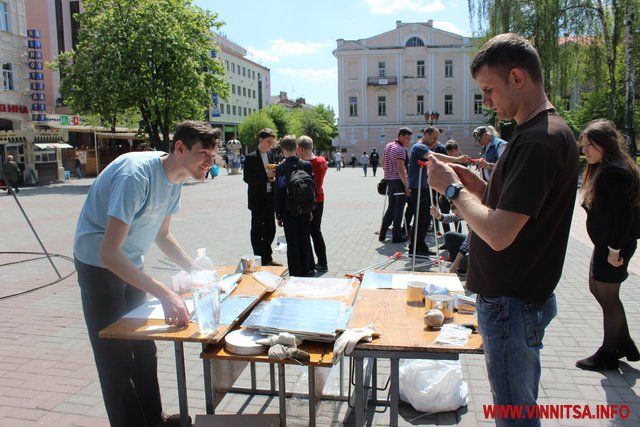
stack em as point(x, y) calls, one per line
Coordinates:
point(319, 123)
point(281, 117)
point(154, 56)
point(251, 126)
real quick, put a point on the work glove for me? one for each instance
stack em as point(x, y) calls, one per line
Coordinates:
point(281, 352)
point(285, 338)
point(347, 341)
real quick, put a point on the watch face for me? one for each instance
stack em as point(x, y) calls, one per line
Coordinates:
point(450, 191)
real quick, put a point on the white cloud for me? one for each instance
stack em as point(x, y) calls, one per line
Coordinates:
point(388, 7)
point(313, 74)
point(282, 48)
point(448, 26)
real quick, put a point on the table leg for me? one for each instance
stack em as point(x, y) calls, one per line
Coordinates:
point(182, 384)
point(253, 376)
point(272, 377)
point(282, 392)
point(359, 392)
point(395, 390)
point(208, 383)
point(341, 386)
point(374, 382)
point(312, 396)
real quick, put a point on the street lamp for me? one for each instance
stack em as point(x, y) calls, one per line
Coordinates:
point(432, 118)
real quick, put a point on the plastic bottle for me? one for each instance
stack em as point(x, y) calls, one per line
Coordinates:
point(206, 292)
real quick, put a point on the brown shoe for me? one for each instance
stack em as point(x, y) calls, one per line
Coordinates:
point(275, 263)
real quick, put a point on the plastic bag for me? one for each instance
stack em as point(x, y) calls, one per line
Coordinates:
point(433, 385)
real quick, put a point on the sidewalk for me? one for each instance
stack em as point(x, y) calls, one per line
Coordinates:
point(47, 374)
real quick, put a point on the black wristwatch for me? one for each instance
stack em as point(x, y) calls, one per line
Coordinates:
point(452, 191)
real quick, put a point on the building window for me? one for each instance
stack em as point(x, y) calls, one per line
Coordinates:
point(228, 109)
point(448, 68)
point(233, 89)
point(221, 108)
point(477, 103)
point(382, 105)
point(254, 94)
point(7, 77)
point(233, 67)
point(448, 104)
point(234, 110)
point(414, 41)
point(420, 69)
point(244, 72)
point(244, 91)
point(382, 69)
point(420, 105)
point(253, 75)
point(226, 64)
point(4, 17)
point(245, 111)
point(353, 106)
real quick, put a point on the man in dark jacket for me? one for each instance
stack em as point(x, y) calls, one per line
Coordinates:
point(259, 172)
point(11, 173)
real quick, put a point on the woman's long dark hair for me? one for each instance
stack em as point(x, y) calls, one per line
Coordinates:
point(603, 133)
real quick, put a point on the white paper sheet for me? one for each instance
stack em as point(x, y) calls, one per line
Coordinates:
point(399, 281)
point(152, 309)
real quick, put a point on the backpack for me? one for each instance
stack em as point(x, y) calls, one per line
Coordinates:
point(301, 191)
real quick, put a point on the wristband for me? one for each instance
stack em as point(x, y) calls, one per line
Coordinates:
point(617, 251)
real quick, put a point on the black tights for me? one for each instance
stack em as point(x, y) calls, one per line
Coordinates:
point(616, 330)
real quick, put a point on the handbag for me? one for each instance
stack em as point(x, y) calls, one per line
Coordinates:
point(382, 187)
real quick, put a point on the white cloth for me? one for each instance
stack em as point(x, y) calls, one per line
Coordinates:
point(347, 341)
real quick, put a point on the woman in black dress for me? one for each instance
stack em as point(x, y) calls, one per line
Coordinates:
point(611, 197)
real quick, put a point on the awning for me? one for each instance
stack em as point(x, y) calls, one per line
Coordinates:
point(47, 146)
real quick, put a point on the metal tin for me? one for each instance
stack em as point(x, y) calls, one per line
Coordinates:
point(443, 303)
point(415, 297)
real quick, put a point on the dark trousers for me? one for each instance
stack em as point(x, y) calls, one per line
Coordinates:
point(423, 221)
point(263, 231)
point(316, 234)
point(397, 200)
point(374, 167)
point(14, 185)
point(445, 208)
point(127, 369)
point(452, 243)
point(297, 230)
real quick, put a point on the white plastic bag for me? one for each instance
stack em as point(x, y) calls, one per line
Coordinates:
point(433, 385)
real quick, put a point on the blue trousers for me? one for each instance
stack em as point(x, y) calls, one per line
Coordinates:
point(512, 331)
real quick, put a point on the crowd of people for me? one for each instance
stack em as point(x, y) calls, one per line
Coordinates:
point(519, 208)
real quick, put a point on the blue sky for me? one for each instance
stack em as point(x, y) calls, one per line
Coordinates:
point(295, 38)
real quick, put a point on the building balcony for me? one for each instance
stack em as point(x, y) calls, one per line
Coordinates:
point(382, 81)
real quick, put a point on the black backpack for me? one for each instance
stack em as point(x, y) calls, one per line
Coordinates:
point(301, 191)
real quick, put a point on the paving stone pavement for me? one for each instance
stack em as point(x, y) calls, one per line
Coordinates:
point(47, 374)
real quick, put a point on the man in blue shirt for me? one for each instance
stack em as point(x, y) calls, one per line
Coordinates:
point(129, 206)
point(419, 152)
point(492, 149)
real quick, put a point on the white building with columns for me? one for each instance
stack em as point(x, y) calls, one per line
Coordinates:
point(399, 78)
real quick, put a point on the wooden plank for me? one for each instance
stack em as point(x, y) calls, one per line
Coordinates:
point(402, 326)
point(155, 329)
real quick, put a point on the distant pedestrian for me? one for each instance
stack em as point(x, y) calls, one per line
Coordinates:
point(319, 166)
point(364, 161)
point(78, 165)
point(611, 197)
point(374, 160)
point(338, 160)
point(353, 161)
point(12, 174)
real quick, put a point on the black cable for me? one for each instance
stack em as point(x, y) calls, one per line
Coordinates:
point(43, 255)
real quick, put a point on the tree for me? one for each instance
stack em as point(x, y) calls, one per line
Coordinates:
point(630, 80)
point(281, 117)
point(154, 56)
point(251, 126)
point(317, 123)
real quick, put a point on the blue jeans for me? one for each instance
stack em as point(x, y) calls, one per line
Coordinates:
point(512, 332)
point(364, 168)
point(395, 210)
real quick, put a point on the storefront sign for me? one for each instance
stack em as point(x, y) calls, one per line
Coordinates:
point(11, 108)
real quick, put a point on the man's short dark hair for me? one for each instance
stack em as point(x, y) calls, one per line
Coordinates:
point(505, 52)
point(192, 131)
point(451, 145)
point(266, 133)
point(429, 130)
point(305, 142)
point(289, 143)
point(405, 131)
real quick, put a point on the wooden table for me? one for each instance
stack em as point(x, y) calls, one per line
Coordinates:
point(227, 367)
point(403, 336)
point(155, 329)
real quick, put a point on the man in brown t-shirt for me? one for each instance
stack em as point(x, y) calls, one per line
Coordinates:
point(520, 218)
